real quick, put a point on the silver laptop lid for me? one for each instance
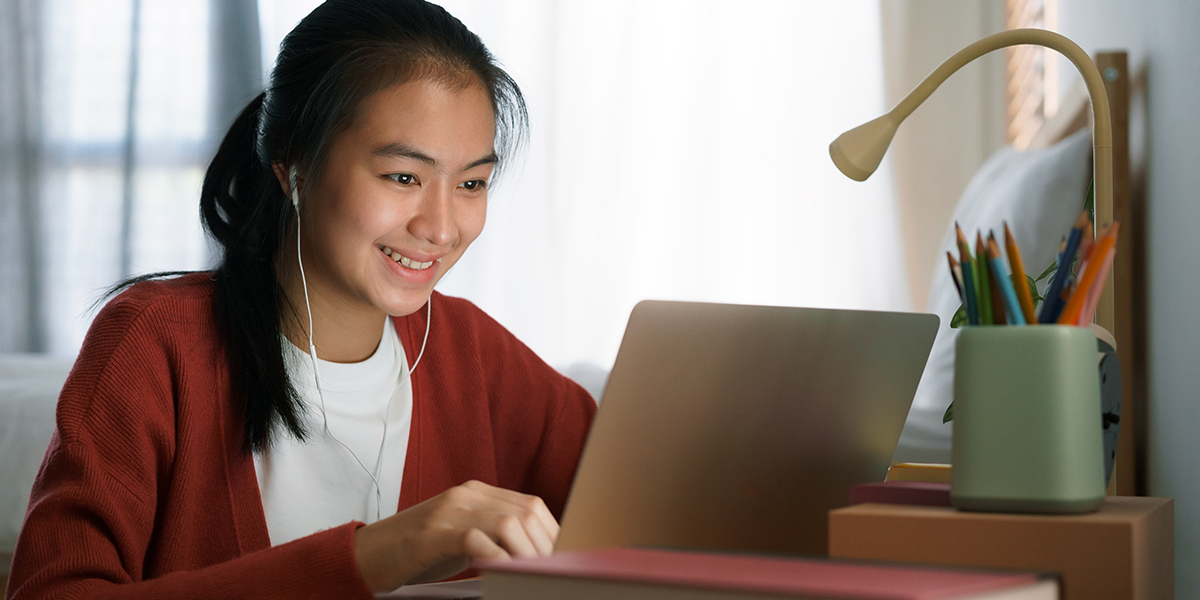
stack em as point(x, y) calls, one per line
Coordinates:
point(739, 427)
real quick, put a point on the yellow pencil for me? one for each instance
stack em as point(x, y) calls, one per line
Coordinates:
point(1018, 270)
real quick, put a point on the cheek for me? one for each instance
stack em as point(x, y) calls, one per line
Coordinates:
point(472, 221)
point(358, 214)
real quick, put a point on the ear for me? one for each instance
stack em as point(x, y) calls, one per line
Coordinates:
point(281, 174)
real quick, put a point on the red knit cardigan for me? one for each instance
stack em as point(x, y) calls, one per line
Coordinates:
point(145, 490)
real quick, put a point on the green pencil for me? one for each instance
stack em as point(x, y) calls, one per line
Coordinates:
point(984, 291)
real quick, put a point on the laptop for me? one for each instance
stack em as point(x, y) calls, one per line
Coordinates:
point(738, 427)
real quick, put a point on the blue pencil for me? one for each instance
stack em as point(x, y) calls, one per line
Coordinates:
point(1053, 304)
point(1006, 287)
point(968, 278)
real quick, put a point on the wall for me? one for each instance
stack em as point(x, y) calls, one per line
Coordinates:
point(941, 145)
point(1163, 41)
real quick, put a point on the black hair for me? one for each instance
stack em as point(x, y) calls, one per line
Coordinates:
point(340, 54)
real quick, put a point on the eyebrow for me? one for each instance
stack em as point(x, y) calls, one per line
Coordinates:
point(405, 151)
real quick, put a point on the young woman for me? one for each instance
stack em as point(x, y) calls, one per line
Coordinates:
point(312, 419)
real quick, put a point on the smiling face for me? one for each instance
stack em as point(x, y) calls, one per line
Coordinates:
point(401, 194)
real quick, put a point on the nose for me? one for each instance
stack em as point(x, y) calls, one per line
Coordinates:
point(434, 220)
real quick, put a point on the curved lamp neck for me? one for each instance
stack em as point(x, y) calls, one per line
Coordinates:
point(1102, 134)
point(858, 152)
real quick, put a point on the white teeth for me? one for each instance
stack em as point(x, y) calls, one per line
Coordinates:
point(406, 261)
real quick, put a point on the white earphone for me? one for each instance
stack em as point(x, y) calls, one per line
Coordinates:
point(294, 182)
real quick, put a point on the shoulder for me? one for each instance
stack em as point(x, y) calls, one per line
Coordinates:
point(154, 313)
point(156, 299)
point(136, 348)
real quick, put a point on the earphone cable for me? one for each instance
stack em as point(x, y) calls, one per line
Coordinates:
point(312, 354)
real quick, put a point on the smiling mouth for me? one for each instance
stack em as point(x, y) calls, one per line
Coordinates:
point(406, 261)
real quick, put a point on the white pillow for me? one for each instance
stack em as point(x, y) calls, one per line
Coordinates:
point(29, 387)
point(1040, 194)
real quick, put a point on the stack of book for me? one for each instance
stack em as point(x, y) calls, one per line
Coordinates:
point(658, 574)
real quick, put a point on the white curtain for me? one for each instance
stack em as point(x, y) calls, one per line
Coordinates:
point(679, 151)
point(121, 102)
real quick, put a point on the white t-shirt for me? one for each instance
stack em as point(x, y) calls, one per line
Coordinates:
point(317, 484)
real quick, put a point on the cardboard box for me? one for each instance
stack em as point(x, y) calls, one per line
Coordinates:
point(1126, 550)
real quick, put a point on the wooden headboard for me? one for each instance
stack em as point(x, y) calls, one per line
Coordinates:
point(1129, 268)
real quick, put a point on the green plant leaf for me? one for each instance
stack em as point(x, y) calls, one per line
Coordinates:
point(960, 317)
point(1089, 202)
point(1034, 295)
point(1049, 271)
point(949, 414)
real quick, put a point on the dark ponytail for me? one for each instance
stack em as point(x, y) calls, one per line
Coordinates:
point(340, 54)
point(246, 212)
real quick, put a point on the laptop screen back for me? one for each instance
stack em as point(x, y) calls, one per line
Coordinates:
point(738, 427)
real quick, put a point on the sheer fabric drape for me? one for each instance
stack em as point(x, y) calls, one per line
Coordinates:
point(109, 116)
point(678, 151)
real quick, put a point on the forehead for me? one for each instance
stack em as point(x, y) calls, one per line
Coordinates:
point(452, 123)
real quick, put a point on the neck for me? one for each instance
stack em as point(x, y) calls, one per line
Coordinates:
point(342, 332)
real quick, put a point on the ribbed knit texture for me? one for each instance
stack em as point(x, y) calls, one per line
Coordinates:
point(145, 492)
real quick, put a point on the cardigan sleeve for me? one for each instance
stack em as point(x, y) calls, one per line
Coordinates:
point(540, 418)
point(115, 514)
point(568, 421)
point(85, 537)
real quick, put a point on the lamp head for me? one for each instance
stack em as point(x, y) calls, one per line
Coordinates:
point(858, 152)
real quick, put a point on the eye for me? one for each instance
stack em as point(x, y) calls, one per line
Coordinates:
point(403, 178)
point(474, 184)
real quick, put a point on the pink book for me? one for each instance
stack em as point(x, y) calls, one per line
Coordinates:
point(919, 493)
point(636, 573)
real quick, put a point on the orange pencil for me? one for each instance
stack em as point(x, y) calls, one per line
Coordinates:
point(1086, 244)
point(1071, 312)
point(1018, 269)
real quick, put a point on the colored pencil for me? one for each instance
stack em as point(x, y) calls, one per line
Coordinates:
point(968, 277)
point(1018, 271)
point(1086, 244)
point(1005, 285)
point(984, 292)
point(1074, 306)
point(1054, 303)
point(999, 306)
point(1093, 298)
point(956, 276)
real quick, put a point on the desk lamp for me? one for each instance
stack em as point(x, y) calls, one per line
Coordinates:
point(857, 152)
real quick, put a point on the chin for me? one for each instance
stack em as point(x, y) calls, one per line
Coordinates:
point(401, 307)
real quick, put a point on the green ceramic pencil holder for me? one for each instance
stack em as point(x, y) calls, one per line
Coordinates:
point(1027, 435)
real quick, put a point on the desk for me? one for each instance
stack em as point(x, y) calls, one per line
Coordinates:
point(1126, 550)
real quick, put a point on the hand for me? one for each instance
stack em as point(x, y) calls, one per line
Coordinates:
point(438, 537)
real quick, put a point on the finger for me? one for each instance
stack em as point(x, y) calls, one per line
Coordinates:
point(538, 524)
point(529, 506)
point(479, 545)
point(542, 533)
point(510, 531)
point(543, 542)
